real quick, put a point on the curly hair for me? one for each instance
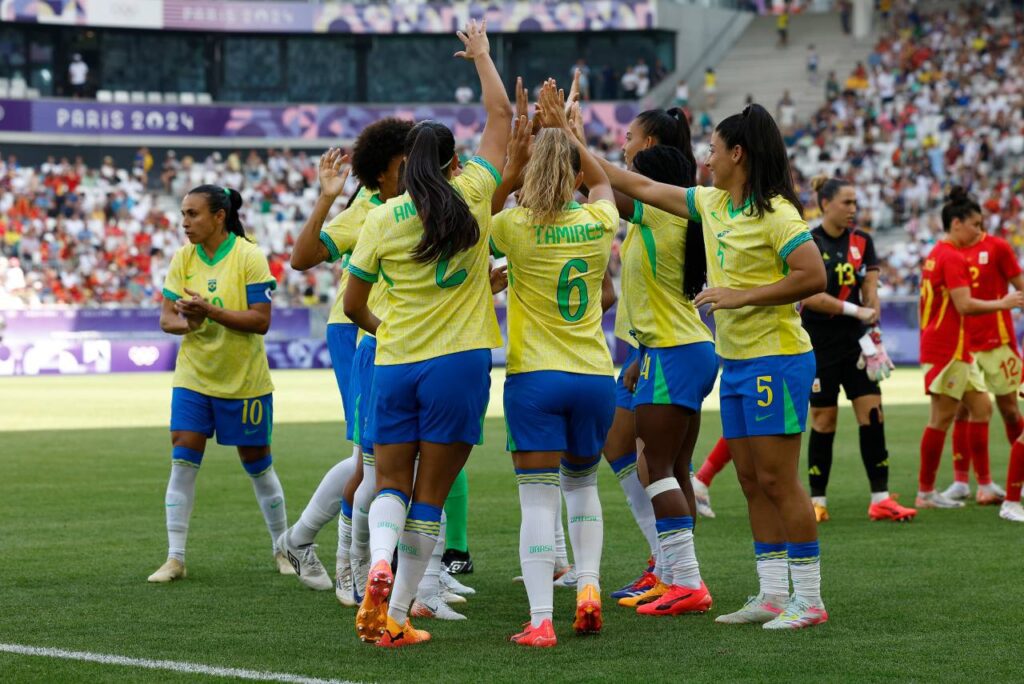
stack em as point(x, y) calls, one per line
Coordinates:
point(376, 146)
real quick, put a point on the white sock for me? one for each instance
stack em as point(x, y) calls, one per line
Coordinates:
point(360, 510)
point(540, 505)
point(270, 496)
point(772, 568)
point(561, 551)
point(324, 503)
point(805, 567)
point(682, 555)
point(639, 502)
point(879, 497)
point(586, 527)
point(178, 502)
point(819, 501)
point(342, 558)
point(420, 537)
point(386, 520)
point(430, 585)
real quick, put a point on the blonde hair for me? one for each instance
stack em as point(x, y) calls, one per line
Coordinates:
point(550, 180)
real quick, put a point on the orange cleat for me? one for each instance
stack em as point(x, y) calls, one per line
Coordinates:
point(588, 611)
point(542, 636)
point(372, 618)
point(679, 601)
point(651, 594)
point(888, 509)
point(396, 636)
point(821, 513)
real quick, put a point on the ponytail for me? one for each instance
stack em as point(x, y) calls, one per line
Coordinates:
point(826, 188)
point(666, 164)
point(959, 205)
point(228, 200)
point(670, 128)
point(767, 163)
point(448, 225)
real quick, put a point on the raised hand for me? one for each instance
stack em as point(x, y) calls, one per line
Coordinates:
point(552, 105)
point(474, 41)
point(574, 91)
point(519, 148)
point(576, 123)
point(334, 171)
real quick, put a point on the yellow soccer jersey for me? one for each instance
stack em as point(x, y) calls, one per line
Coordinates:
point(744, 252)
point(622, 330)
point(436, 308)
point(214, 360)
point(652, 280)
point(339, 237)
point(555, 274)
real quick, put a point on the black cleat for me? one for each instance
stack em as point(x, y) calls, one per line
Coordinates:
point(457, 562)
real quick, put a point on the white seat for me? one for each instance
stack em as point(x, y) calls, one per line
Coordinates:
point(32, 93)
point(4, 90)
point(171, 98)
point(5, 83)
point(204, 98)
point(138, 97)
point(104, 96)
point(18, 87)
point(188, 98)
point(121, 96)
point(154, 97)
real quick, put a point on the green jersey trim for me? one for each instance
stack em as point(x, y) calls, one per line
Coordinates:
point(487, 165)
point(363, 275)
point(332, 250)
point(170, 295)
point(691, 204)
point(638, 212)
point(222, 251)
point(793, 244)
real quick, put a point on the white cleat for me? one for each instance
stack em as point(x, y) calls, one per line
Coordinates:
point(958, 491)
point(567, 580)
point(283, 566)
point(451, 598)
point(308, 567)
point(360, 575)
point(1010, 510)
point(455, 586)
point(171, 570)
point(935, 499)
point(990, 494)
point(435, 608)
point(758, 610)
point(703, 497)
point(798, 615)
point(343, 588)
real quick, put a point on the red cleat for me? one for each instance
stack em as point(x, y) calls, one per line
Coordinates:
point(537, 637)
point(888, 509)
point(679, 601)
point(372, 617)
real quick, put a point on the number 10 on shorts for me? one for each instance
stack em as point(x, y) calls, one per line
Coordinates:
point(252, 411)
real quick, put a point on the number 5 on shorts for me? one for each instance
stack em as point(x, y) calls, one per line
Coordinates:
point(764, 386)
point(252, 411)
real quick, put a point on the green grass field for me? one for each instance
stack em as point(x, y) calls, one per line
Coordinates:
point(85, 460)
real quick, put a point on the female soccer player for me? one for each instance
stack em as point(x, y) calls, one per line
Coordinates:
point(377, 156)
point(432, 244)
point(221, 379)
point(836, 320)
point(652, 127)
point(950, 376)
point(761, 260)
point(559, 392)
point(663, 268)
point(993, 343)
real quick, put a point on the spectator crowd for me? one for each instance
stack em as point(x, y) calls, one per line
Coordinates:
point(939, 101)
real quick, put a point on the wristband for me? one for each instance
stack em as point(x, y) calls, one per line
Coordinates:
point(850, 309)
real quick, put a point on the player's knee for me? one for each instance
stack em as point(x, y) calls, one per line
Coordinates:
point(749, 485)
point(256, 468)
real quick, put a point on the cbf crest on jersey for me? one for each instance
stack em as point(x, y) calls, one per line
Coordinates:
point(211, 284)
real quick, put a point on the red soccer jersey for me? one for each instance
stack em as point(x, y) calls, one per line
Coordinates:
point(942, 326)
point(992, 263)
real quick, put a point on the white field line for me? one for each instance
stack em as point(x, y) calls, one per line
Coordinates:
point(168, 665)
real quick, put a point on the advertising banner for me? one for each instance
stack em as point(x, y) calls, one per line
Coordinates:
point(337, 16)
point(300, 122)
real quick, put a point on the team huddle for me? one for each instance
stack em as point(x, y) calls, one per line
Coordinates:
point(413, 327)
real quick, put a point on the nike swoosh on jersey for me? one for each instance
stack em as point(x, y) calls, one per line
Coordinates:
point(758, 419)
point(252, 432)
point(189, 277)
